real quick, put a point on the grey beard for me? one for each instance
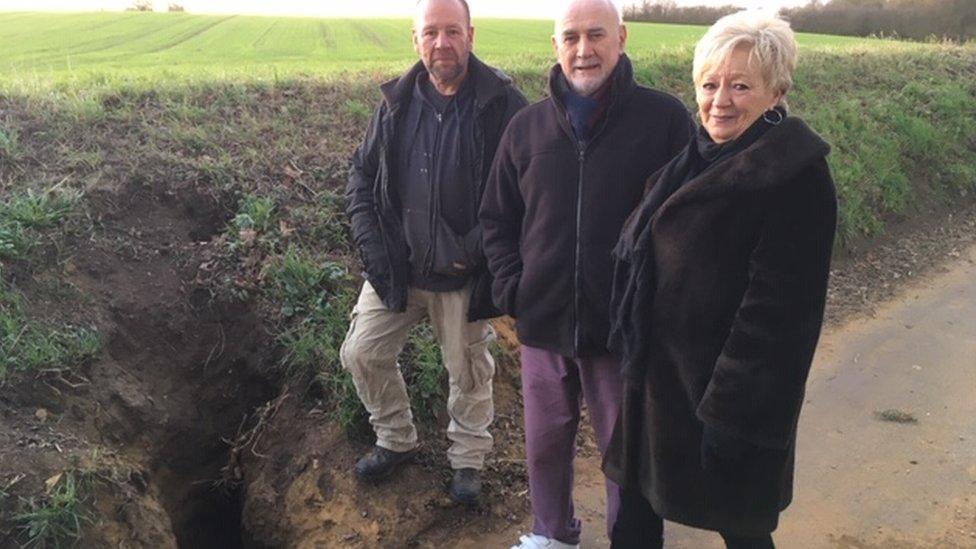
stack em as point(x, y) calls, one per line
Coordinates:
point(447, 76)
point(587, 90)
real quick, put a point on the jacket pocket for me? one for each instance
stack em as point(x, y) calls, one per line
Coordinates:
point(449, 250)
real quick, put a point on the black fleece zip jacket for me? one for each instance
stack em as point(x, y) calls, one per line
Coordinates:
point(553, 208)
point(372, 203)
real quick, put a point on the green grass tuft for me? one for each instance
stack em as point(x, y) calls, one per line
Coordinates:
point(27, 346)
point(40, 210)
point(357, 108)
point(24, 215)
point(8, 143)
point(255, 213)
point(56, 519)
point(303, 286)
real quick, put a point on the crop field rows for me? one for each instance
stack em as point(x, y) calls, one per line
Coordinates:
point(52, 47)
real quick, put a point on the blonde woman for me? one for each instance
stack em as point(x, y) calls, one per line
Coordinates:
point(718, 300)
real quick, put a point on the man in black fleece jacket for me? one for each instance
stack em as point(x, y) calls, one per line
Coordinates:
point(413, 195)
point(568, 171)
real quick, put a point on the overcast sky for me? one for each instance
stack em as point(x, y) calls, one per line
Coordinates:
point(541, 9)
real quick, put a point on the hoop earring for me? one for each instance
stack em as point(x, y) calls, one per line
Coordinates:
point(773, 116)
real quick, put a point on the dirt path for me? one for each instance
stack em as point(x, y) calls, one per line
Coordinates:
point(864, 483)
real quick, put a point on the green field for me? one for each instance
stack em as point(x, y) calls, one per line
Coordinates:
point(55, 47)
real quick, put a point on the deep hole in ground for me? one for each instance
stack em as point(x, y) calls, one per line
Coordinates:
point(181, 369)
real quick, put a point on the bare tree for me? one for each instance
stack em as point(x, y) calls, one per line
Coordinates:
point(911, 19)
point(174, 7)
point(141, 5)
point(668, 11)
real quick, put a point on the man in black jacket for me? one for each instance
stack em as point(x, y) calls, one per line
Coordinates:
point(568, 172)
point(412, 198)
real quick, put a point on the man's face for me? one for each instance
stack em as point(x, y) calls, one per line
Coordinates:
point(588, 41)
point(443, 37)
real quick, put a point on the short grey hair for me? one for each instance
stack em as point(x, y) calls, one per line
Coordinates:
point(771, 39)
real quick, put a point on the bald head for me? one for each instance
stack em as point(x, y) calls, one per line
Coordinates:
point(422, 6)
point(568, 7)
point(589, 39)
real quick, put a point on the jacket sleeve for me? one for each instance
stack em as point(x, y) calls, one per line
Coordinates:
point(757, 386)
point(500, 215)
point(360, 202)
point(474, 239)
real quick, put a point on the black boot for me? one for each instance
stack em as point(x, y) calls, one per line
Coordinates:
point(466, 486)
point(380, 462)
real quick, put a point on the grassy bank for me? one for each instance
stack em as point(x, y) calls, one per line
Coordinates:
point(898, 116)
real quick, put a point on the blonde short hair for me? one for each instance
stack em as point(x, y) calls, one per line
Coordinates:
point(771, 39)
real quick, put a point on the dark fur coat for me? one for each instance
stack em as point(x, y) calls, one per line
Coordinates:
point(728, 284)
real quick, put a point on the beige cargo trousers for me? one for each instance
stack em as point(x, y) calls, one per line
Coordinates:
point(375, 338)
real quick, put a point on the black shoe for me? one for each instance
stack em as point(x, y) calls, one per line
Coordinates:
point(466, 486)
point(380, 462)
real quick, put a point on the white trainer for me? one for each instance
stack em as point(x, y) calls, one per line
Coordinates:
point(535, 541)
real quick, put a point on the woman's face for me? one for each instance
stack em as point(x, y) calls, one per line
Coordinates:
point(732, 96)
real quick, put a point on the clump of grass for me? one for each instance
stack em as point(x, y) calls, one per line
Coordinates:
point(255, 224)
point(14, 242)
point(27, 346)
point(24, 215)
point(357, 108)
point(301, 285)
point(8, 142)
point(54, 520)
point(255, 213)
point(895, 416)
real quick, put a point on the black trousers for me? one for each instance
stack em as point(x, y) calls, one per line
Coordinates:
point(639, 527)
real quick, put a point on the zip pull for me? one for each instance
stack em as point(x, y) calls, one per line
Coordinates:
point(440, 117)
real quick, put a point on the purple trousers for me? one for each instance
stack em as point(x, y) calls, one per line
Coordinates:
point(554, 387)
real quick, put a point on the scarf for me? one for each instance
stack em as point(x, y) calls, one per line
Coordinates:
point(584, 112)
